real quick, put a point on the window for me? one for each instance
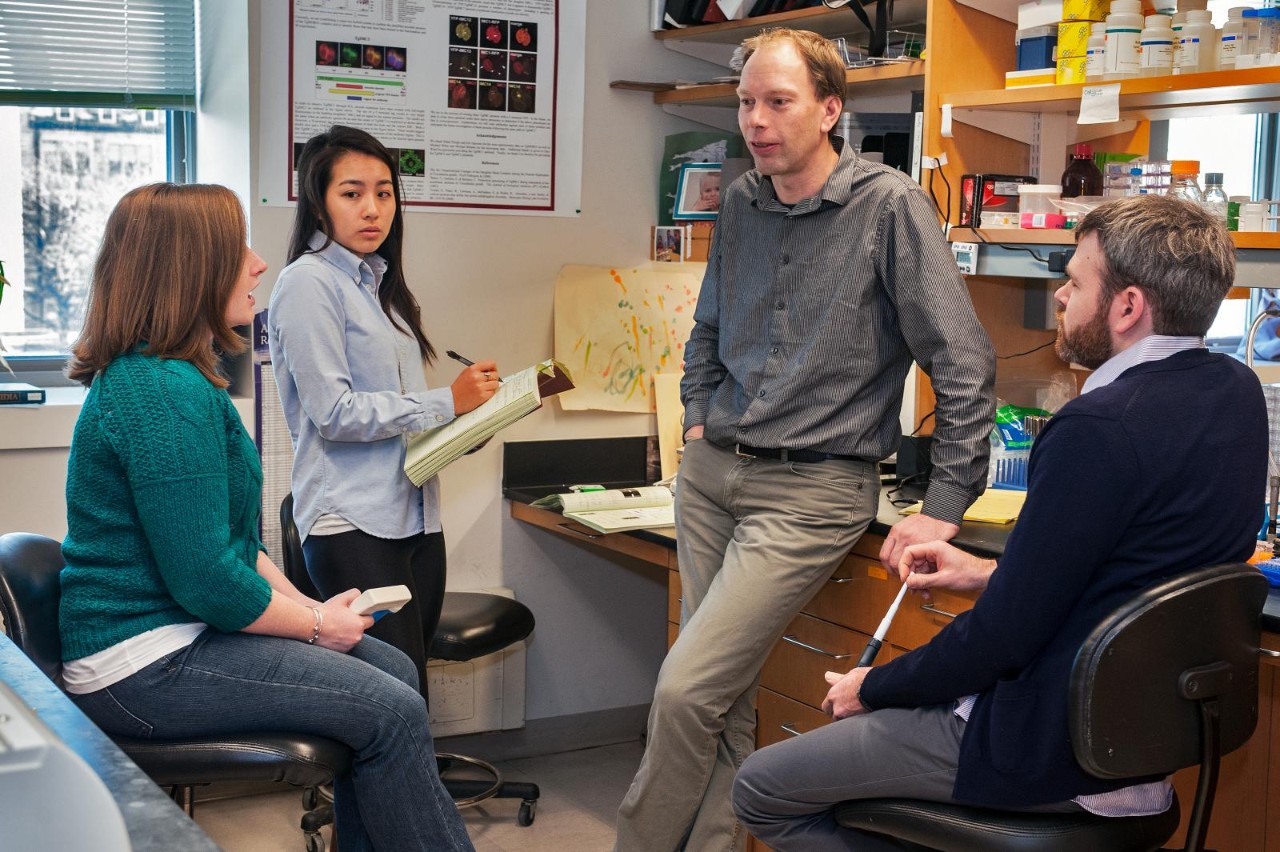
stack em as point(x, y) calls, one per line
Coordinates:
point(96, 98)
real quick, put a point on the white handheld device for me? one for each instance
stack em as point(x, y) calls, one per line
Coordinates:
point(382, 600)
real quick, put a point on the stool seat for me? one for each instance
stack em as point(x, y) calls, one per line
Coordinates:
point(957, 828)
point(475, 624)
point(299, 759)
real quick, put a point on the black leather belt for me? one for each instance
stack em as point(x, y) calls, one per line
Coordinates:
point(803, 456)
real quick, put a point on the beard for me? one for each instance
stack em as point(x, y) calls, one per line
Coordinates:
point(1089, 345)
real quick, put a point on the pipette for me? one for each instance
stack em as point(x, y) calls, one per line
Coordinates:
point(873, 647)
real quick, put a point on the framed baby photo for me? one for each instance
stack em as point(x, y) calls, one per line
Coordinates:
point(698, 192)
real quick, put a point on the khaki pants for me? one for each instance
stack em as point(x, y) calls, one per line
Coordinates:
point(756, 539)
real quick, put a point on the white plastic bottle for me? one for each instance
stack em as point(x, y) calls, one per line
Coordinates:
point(1179, 21)
point(1199, 44)
point(1232, 36)
point(1124, 31)
point(1156, 41)
point(1096, 53)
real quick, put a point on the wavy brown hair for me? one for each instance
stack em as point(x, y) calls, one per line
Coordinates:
point(168, 264)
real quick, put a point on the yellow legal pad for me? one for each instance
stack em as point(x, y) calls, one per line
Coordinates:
point(995, 506)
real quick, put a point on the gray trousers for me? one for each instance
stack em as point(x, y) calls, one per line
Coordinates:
point(784, 793)
point(756, 539)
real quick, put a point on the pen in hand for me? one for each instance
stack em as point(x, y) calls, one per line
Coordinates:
point(873, 646)
point(466, 362)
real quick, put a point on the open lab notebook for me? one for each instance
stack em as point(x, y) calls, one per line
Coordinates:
point(428, 452)
point(616, 509)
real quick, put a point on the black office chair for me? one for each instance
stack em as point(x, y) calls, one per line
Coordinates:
point(29, 595)
point(1169, 680)
point(472, 625)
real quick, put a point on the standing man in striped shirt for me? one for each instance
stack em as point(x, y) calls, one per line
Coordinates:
point(828, 276)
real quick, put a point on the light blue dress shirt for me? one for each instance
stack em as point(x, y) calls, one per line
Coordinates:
point(353, 390)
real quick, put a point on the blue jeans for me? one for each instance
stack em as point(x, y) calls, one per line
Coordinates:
point(228, 683)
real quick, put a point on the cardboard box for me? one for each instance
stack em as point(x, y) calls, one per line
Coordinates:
point(1071, 70)
point(1034, 77)
point(980, 193)
point(1037, 13)
point(1085, 10)
point(1073, 39)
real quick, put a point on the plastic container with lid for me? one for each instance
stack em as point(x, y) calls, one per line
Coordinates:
point(1156, 47)
point(1198, 50)
point(1268, 31)
point(1124, 31)
point(1252, 31)
point(1096, 56)
point(1036, 208)
point(1185, 181)
point(1232, 37)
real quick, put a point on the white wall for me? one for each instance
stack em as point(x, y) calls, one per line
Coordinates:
point(485, 284)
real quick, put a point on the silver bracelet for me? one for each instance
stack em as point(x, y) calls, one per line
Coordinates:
point(319, 625)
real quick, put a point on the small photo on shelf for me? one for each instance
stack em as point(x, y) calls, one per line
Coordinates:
point(698, 192)
point(669, 245)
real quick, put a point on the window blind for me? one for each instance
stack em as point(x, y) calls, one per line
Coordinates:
point(125, 53)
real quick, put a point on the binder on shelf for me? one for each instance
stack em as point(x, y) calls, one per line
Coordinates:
point(430, 451)
point(20, 393)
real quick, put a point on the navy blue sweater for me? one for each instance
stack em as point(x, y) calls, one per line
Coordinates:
point(1161, 471)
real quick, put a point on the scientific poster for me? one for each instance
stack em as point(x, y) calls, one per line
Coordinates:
point(616, 328)
point(470, 95)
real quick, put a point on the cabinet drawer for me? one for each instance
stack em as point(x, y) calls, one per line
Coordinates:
point(779, 718)
point(673, 596)
point(809, 649)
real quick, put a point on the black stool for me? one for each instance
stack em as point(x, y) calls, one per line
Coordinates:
point(476, 624)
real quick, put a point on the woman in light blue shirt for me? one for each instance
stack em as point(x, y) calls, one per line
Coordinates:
point(348, 350)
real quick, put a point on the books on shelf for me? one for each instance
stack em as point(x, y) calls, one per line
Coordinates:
point(616, 509)
point(20, 393)
point(430, 451)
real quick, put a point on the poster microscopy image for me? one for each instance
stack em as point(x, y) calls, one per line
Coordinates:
point(492, 96)
point(463, 31)
point(349, 55)
point(373, 57)
point(520, 98)
point(397, 59)
point(462, 94)
point(493, 65)
point(327, 53)
point(524, 36)
point(462, 62)
point(524, 67)
point(413, 161)
point(493, 34)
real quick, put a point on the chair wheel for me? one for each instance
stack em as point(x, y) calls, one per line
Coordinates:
point(527, 809)
point(315, 842)
point(310, 798)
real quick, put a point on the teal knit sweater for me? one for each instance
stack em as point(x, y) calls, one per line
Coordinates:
point(163, 498)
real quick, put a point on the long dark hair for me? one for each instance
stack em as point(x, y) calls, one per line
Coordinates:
point(169, 262)
point(315, 170)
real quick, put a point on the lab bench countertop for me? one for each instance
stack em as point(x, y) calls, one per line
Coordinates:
point(153, 821)
point(985, 540)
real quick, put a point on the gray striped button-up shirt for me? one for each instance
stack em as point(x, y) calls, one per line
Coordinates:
point(809, 319)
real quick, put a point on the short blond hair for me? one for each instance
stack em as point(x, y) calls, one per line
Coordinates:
point(826, 68)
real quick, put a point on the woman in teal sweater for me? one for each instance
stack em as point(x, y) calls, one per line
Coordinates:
point(170, 608)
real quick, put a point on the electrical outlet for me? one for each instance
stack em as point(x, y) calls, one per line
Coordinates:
point(966, 255)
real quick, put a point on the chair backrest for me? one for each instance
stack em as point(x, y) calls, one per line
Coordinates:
point(1138, 677)
point(29, 594)
point(295, 562)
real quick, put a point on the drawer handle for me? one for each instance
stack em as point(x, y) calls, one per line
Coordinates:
point(794, 641)
point(927, 607)
point(1267, 652)
point(840, 580)
point(579, 532)
point(791, 729)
